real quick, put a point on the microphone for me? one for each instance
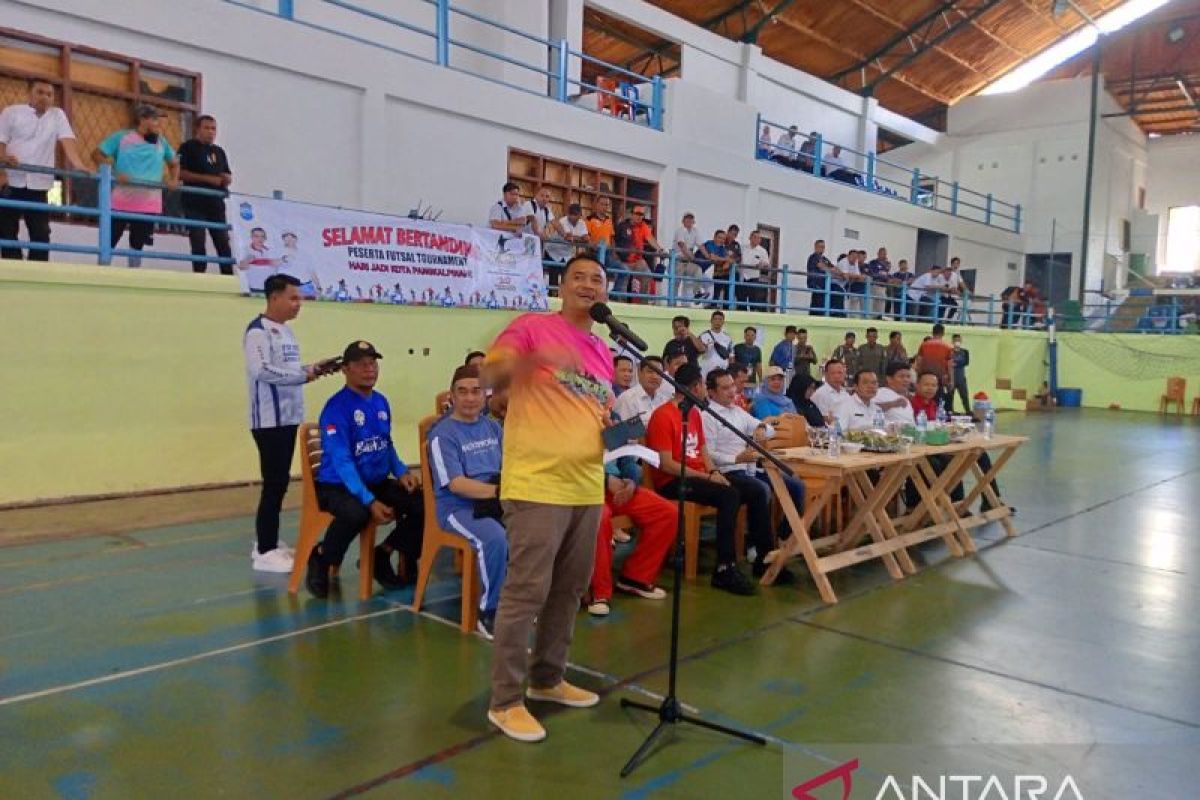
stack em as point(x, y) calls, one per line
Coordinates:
point(601, 313)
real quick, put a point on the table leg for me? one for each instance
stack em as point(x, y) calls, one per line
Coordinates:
point(800, 542)
point(930, 486)
point(983, 486)
point(869, 498)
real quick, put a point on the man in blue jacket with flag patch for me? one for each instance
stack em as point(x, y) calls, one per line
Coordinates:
point(362, 478)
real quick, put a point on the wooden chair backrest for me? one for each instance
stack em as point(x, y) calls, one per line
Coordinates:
point(426, 473)
point(1176, 387)
point(792, 431)
point(441, 403)
point(310, 450)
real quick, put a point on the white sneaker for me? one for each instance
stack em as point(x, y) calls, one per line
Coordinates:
point(280, 545)
point(273, 561)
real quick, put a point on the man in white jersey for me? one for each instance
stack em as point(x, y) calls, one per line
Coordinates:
point(274, 377)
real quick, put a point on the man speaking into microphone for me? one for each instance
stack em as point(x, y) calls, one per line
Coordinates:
point(559, 378)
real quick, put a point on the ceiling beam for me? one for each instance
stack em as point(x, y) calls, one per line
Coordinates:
point(904, 35)
point(898, 25)
point(1007, 45)
point(840, 47)
point(950, 30)
point(751, 34)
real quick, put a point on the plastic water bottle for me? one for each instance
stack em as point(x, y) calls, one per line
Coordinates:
point(880, 423)
point(989, 423)
point(835, 440)
point(922, 426)
point(941, 413)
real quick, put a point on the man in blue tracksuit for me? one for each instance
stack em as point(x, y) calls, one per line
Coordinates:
point(362, 478)
point(465, 449)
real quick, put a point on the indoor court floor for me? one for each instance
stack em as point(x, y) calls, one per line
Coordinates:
point(148, 661)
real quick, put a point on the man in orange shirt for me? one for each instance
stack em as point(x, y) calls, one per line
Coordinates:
point(936, 356)
point(631, 236)
point(600, 232)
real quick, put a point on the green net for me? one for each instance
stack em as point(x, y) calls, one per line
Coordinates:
point(1137, 356)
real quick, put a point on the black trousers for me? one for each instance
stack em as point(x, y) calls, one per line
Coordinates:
point(949, 306)
point(275, 449)
point(36, 222)
point(140, 233)
point(350, 516)
point(960, 388)
point(756, 497)
point(220, 239)
point(725, 499)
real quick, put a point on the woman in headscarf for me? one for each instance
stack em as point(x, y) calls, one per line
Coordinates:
point(801, 391)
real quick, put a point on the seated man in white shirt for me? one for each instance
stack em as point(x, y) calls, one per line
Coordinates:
point(892, 398)
point(857, 411)
point(641, 400)
point(737, 462)
point(828, 396)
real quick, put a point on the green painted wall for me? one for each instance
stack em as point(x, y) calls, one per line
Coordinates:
point(120, 381)
point(1129, 370)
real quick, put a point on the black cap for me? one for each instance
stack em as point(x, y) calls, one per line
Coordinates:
point(360, 349)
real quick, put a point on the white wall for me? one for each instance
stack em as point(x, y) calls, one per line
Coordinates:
point(330, 120)
point(1173, 180)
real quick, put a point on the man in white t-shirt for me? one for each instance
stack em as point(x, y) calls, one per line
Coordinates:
point(828, 396)
point(892, 398)
point(646, 395)
point(954, 290)
point(562, 240)
point(509, 213)
point(687, 242)
point(851, 266)
point(754, 272)
point(720, 345)
point(857, 411)
point(922, 290)
point(28, 134)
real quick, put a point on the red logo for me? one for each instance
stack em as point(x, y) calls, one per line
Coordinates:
point(331, 429)
point(801, 792)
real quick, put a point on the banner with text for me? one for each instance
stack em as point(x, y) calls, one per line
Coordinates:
point(360, 257)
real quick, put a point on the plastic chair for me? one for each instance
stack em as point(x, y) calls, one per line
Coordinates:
point(436, 537)
point(313, 520)
point(633, 98)
point(1176, 389)
point(608, 101)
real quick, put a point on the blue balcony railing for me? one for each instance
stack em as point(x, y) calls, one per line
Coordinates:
point(447, 35)
point(812, 154)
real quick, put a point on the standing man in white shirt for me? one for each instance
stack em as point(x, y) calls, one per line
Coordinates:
point(687, 242)
point(28, 135)
point(641, 399)
point(955, 287)
point(856, 411)
point(892, 398)
point(509, 213)
point(720, 344)
point(756, 266)
point(828, 396)
point(275, 379)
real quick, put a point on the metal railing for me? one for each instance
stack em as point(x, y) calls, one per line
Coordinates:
point(104, 214)
point(443, 37)
point(812, 154)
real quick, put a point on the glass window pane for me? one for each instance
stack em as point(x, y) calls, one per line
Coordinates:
point(103, 72)
point(1183, 240)
point(28, 57)
point(167, 85)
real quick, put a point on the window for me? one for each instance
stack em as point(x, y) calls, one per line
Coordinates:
point(99, 91)
point(1183, 240)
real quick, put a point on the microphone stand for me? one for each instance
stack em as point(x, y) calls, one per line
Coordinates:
point(670, 710)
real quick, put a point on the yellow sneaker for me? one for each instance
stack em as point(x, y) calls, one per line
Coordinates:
point(564, 694)
point(517, 723)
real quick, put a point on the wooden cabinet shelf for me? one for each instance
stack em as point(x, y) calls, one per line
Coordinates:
point(570, 182)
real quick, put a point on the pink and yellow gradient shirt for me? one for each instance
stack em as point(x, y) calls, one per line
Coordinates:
point(553, 452)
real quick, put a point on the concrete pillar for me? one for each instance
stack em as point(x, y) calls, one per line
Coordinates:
point(566, 22)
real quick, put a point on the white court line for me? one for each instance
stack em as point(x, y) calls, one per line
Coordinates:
point(178, 662)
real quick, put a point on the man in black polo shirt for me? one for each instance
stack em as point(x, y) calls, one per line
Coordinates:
point(203, 165)
point(685, 342)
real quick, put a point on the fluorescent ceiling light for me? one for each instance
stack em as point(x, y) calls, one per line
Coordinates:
point(1071, 46)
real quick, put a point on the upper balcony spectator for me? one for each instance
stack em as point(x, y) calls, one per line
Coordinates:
point(509, 213)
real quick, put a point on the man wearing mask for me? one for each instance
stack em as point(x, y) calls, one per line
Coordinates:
point(204, 165)
point(29, 133)
point(960, 357)
point(138, 155)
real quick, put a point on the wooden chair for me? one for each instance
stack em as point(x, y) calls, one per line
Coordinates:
point(441, 403)
point(1196, 405)
point(436, 537)
point(693, 513)
point(313, 520)
point(1176, 389)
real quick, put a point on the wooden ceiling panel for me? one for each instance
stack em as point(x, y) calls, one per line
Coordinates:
point(956, 56)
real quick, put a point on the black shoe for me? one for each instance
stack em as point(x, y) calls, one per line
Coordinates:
point(385, 576)
point(785, 577)
point(731, 579)
point(317, 578)
point(486, 624)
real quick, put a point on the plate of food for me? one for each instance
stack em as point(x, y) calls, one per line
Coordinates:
point(876, 441)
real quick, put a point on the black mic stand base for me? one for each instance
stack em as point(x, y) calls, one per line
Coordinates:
point(669, 713)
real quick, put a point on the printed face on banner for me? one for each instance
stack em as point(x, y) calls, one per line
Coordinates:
point(358, 257)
